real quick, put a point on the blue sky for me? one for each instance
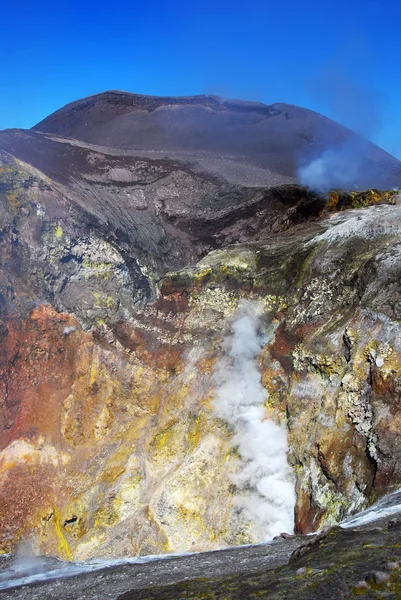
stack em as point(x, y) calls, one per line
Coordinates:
point(341, 58)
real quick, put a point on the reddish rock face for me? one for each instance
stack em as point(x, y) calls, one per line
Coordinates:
point(37, 362)
point(94, 432)
point(37, 370)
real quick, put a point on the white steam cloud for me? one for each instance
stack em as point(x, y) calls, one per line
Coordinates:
point(350, 98)
point(265, 480)
point(337, 168)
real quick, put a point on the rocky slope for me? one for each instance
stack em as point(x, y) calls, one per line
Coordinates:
point(360, 558)
point(120, 276)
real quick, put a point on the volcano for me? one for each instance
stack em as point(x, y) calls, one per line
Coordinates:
point(131, 230)
point(269, 141)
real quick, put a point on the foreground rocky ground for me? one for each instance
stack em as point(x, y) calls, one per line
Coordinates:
point(363, 559)
point(339, 564)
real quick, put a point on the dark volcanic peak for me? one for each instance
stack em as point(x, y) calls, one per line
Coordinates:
point(181, 124)
point(100, 108)
point(280, 138)
point(120, 101)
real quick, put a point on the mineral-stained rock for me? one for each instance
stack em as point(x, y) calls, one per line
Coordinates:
point(113, 310)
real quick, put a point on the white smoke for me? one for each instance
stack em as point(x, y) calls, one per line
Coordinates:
point(337, 168)
point(352, 100)
point(265, 479)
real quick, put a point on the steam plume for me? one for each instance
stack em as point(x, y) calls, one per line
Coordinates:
point(353, 102)
point(265, 477)
point(336, 168)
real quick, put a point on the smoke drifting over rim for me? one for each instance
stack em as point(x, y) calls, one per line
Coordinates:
point(264, 481)
point(336, 168)
point(352, 101)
